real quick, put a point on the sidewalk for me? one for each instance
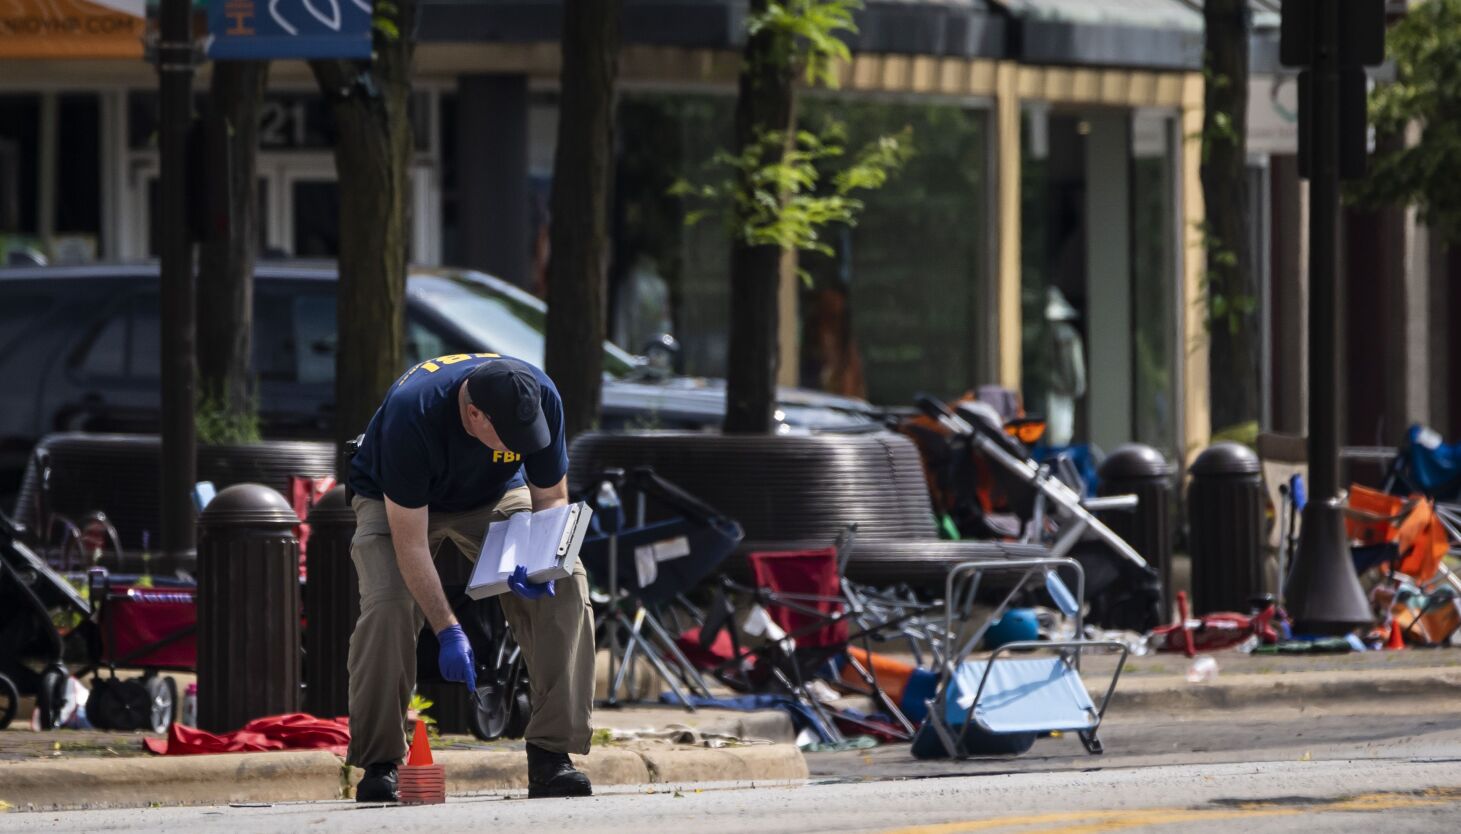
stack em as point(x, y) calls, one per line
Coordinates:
point(1158, 682)
point(71, 769)
point(66, 769)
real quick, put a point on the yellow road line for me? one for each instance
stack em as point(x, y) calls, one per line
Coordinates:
point(1097, 822)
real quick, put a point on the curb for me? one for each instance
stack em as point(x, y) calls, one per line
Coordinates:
point(1282, 689)
point(61, 785)
point(305, 775)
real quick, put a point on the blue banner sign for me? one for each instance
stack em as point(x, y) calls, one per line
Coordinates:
point(255, 30)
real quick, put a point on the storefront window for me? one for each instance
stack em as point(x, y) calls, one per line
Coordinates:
point(1154, 283)
point(665, 273)
point(19, 126)
point(897, 311)
point(1099, 278)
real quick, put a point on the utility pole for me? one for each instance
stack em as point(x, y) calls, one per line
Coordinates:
point(174, 56)
point(1332, 40)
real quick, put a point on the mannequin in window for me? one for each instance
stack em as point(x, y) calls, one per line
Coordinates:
point(1067, 370)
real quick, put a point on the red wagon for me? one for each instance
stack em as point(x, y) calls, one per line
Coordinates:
point(152, 628)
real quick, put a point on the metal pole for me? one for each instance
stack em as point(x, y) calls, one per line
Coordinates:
point(175, 249)
point(1325, 596)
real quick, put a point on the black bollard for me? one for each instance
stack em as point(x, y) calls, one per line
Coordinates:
point(1225, 513)
point(1136, 469)
point(331, 606)
point(248, 608)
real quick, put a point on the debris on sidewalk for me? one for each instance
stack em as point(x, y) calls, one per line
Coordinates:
point(682, 735)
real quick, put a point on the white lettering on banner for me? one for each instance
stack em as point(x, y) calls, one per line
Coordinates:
point(332, 21)
point(279, 19)
point(330, 17)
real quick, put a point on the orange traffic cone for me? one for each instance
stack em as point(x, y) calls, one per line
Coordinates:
point(1397, 640)
point(420, 747)
point(421, 781)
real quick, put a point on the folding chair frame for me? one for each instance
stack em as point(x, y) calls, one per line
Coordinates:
point(958, 597)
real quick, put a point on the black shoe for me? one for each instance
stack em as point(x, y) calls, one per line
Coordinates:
point(378, 784)
point(552, 774)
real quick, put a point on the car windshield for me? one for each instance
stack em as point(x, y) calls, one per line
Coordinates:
point(508, 323)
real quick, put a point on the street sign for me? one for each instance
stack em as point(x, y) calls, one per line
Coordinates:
point(253, 30)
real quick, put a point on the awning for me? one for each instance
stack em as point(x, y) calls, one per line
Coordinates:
point(944, 28)
point(1156, 34)
point(72, 28)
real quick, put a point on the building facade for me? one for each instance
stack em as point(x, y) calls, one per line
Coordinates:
point(1045, 236)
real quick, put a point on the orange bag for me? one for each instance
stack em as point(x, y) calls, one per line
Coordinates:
point(891, 674)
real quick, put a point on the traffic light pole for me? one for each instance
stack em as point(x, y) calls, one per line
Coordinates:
point(174, 57)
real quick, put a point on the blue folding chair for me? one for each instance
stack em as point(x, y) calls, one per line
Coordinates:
point(647, 567)
point(1000, 704)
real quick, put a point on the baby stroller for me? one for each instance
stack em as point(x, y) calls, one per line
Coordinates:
point(42, 621)
point(1047, 506)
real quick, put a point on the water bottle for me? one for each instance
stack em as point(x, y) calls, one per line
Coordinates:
point(608, 497)
point(190, 706)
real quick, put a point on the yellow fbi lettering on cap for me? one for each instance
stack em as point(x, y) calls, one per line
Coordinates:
point(505, 457)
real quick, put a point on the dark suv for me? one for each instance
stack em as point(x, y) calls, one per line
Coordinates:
point(79, 351)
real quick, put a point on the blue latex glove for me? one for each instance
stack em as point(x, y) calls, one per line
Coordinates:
point(455, 659)
point(518, 583)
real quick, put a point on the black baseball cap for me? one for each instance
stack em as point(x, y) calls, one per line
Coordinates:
point(507, 391)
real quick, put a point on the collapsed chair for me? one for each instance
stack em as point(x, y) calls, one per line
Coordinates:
point(810, 620)
point(647, 568)
point(1000, 704)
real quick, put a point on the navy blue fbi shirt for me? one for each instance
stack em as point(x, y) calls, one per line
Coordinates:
point(417, 452)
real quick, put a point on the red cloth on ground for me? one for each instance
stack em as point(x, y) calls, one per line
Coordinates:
point(296, 731)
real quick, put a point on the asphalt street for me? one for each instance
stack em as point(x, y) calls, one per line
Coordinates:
point(1397, 769)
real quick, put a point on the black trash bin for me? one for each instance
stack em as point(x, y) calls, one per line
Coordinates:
point(331, 605)
point(1225, 517)
point(1140, 470)
point(248, 608)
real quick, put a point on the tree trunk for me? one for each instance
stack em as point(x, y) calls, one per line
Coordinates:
point(578, 236)
point(225, 302)
point(766, 105)
point(373, 150)
point(1232, 291)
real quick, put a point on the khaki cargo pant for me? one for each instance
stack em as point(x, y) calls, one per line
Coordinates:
point(556, 635)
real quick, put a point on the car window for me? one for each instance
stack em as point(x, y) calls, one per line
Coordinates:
point(423, 342)
point(144, 352)
point(499, 322)
point(107, 354)
point(19, 312)
point(314, 338)
point(127, 344)
point(294, 336)
point(273, 336)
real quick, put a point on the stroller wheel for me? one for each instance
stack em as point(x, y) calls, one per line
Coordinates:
point(51, 697)
point(119, 704)
point(162, 693)
point(489, 713)
point(492, 712)
point(9, 701)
